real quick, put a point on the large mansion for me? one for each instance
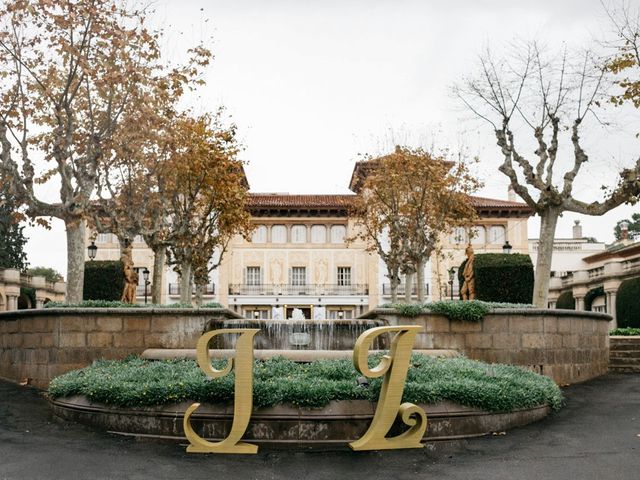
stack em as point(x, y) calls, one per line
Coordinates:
point(298, 257)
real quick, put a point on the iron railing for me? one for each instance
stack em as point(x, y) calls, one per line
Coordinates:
point(291, 290)
point(386, 289)
point(174, 289)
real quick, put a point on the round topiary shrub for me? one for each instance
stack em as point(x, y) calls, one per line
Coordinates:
point(103, 280)
point(566, 301)
point(502, 277)
point(627, 304)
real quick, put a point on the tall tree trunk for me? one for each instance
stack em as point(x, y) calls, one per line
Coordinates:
point(75, 260)
point(408, 284)
point(420, 280)
point(394, 281)
point(185, 283)
point(199, 294)
point(548, 222)
point(159, 255)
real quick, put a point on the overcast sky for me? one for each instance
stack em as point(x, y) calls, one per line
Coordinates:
point(313, 84)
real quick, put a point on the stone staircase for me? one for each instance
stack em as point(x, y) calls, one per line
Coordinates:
point(624, 356)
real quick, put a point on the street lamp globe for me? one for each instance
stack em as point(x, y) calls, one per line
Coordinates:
point(92, 250)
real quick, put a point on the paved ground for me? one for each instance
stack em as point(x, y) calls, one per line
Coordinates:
point(596, 436)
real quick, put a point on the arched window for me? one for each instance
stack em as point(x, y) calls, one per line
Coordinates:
point(278, 234)
point(459, 235)
point(259, 235)
point(497, 234)
point(318, 234)
point(298, 234)
point(478, 235)
point(338, 233)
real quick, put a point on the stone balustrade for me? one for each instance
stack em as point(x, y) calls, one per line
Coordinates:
point(11, 281)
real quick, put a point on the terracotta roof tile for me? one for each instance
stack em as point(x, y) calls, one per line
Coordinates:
point(284, 200)
point(279, 200)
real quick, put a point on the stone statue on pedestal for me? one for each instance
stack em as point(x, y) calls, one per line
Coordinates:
point(468, 290)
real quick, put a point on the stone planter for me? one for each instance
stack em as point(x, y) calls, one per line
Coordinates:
point(41, 344)
point(335, 425)
point(566, 345)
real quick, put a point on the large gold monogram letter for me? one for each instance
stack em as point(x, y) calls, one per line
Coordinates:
point(395, 366)
point(243, 393)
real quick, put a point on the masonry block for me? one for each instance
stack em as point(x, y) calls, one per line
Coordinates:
point(464, 327)
point(109, 324)
point(495, 324)
point(72, 340)
point(100, 339)
point(137, 324)
point(521, 324)
point(506, 340)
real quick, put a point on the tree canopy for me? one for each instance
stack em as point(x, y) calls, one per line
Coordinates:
point(409, 199)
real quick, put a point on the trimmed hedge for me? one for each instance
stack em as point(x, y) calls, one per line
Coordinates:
point(627, 332)
point(566, 301)
point(103, 280)
point(457, 310)
point(628, 304)
point(501, 277)
point(134, 382)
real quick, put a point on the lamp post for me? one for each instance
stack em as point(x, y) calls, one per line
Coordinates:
point(145, 275)
point(452, 273)
point(92, 249)
point(256, 314)
point(340, 314)
point(506, 248)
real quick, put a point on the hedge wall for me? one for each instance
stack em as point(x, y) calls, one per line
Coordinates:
point(502, 277)
point(627, 304)
point(566, 301)
point(103, 280)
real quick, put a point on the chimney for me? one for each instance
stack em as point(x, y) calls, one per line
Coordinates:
point(511, 194)
point(577, 229)
point(624, 230)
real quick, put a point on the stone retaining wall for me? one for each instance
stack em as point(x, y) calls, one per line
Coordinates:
point(41, 344)
point(566, 345)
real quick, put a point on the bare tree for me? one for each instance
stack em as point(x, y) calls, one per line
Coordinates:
point(547, 96)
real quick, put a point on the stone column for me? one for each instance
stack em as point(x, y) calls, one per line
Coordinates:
point(12, 303)
point(611, 308)
point(579, 303)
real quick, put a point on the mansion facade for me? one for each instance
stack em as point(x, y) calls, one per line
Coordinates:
point(298, 257)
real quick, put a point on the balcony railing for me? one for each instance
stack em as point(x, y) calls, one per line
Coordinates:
point(293, 290)
point(174, 289)
point(386, 289)
point(140, 290)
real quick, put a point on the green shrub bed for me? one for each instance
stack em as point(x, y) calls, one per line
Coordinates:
point(117, 304)
point(135, 382)
point(629, 331)
point(469, 311)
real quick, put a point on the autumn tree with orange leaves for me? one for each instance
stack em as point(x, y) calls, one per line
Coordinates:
point(407, 202)
point(70, 70)
point(206, 192)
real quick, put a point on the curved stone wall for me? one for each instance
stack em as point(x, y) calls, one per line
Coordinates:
point(337, 424)
point(566, 345)
point(40, 344)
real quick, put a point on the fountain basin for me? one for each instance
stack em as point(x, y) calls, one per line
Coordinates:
point(288, 426)
point(299, 334)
